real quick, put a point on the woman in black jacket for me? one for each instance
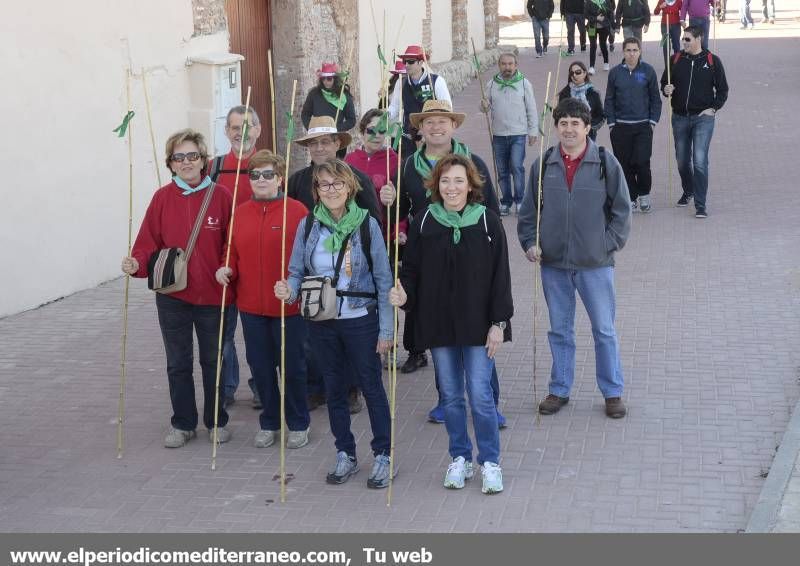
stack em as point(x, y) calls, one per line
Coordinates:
point(323, 100)
point(599, 23)
point(579, 86)
point(457, 282)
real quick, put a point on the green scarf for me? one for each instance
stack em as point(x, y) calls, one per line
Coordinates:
point(451, 219)
point(512, 82)
point(424, 168)
point(335, 100)
point(351, 220)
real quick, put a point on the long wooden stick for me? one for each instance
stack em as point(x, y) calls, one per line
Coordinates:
point(669, 133)
point(150, 125)
point(344, 82)
point(488, 125)
point(558, 70)
point(283, 305)
point(538, 231)
point(272, 101)
point(215, 432)
point(123, 365)
point(428, 70)
point(395, 327)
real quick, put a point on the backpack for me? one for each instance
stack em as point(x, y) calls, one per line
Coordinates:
point(216, 168)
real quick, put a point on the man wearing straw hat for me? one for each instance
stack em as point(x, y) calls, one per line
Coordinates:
point(437, 122)
point(419, 86)
point(323, 140)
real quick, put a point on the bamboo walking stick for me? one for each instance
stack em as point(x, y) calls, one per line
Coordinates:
point(428, 70)
point(561, 55)
point(669, 132)
point(395, 327)
point(344, 82)
point(215, 432)
point(488, 121)
point(150, 125)
point(283, 305)
point(272, 101)
point(123, 365)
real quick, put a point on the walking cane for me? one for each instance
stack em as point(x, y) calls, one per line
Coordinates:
point(245, 128)
point(289, 136)
point(150, 125)
point(669, 132)
point(345, 74)
point(485, 104)
point(123, 365)
point(428, 70)
point(272, 101)
point(395, 327)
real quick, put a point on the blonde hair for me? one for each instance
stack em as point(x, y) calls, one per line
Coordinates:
point(189, 135)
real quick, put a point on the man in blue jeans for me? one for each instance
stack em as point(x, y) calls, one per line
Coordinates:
point(572, 254)
point(572, 13)
point(509, 98)
point(540, 12)
point(698, 90)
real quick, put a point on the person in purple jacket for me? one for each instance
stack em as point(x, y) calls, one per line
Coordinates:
point(699, 12)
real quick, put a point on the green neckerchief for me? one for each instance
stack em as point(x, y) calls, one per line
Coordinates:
point(451, 219)
point(512, 82)
point(335, 100)
point(351, 220)
point(422, 165)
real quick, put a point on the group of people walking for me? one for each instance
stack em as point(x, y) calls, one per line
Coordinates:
point(320, 273)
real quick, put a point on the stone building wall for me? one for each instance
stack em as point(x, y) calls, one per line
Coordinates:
point(209, 17)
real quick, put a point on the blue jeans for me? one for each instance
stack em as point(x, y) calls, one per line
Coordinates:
point(457, 365)
point(230, 361)
point(177, 318)
point(343, 344)
point(510, 154)
point(745, 17)
point(541, 34)
point(495, 384)
point(704, 24)
point(692, 136)
point(596, 289)
point(572, 21)
point(769, 9)
point(262, 340)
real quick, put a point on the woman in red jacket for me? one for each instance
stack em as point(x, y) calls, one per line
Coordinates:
point(670, 11)
point(255, 266)
point(167, 224)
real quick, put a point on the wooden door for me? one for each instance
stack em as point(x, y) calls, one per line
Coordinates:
point(250, 27)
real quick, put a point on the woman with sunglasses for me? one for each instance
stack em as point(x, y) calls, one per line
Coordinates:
point(580, 86)
point(362, 328)
point(168, 223)
point(254, 267)
point(324, 100)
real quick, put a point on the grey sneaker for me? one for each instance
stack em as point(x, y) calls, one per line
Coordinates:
point(264, 438)
point(176, 437)
point(458, 471)
point(504, 210)
point(223, 435)
point(345, 467)
point(297, 438)
point(379, 476)
point(492, 478)
point(644, 203)
point(634, 205)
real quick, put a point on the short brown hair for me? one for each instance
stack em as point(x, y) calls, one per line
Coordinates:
point(474, 178)
point(189, 135)
point(340, 171)
point(264, 158)
point(367, 118)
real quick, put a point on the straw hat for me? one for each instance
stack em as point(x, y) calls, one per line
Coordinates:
point(436, 108)
point(323, 126)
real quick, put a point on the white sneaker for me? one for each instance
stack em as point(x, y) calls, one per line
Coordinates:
point(458, 471)
point(264, 438)
point(223, 435)
point(605, 66)
point(176, 438)
point(644, 203)
point(492, 478)
point(591, 70)
point(297, 438)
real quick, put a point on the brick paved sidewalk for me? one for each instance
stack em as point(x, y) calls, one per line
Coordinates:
point(709, 325)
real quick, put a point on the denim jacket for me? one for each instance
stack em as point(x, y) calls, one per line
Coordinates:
point(361, 280)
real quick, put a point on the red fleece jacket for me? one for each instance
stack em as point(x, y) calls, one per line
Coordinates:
point(256, 254)
point(669, 14)
point(374, 166)
point(245, 192)
point(168, 223)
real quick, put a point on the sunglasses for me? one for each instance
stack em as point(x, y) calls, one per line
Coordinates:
point(687, 39)
point(268, 175)
point(371, 131)
point(576, 72)
point(410, 61)
point(328, 78)
point(179, 157)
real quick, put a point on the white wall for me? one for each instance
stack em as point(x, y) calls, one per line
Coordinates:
point(511, 8)
point(476, 24)
point(441, 31)
point(65, 192)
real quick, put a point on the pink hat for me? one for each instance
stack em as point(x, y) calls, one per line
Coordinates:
point(414, 52)
point(399, 68)
point(328, 70)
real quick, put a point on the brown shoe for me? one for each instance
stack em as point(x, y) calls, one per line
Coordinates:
point(354, 402)
point(615, 408)
point(552, 404)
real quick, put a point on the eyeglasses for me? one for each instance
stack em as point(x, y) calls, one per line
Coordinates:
point(576, 72)
point(687, 39)
point(268, 175)
point(179, 157)
point(328, 187)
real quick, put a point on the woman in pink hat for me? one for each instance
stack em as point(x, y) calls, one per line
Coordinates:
point(398, 71)
point(323, 100)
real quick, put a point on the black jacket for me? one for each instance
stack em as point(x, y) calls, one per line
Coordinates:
point(540, 9)
point(633, 13)
point(300, 189)
point(456, 291)
point(572, 6)
point(316, 105)
point(595, 104)
point(591, 11)
point(698, 84)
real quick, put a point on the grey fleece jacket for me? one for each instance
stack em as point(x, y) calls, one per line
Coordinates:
point(582, 228)
point(513, 109)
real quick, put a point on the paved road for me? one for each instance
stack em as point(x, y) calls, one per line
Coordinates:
point(709, 325)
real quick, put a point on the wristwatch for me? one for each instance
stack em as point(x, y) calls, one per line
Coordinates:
point(501, 325)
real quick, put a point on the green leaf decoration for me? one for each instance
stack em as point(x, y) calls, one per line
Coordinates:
point(381, 56)
point(122, 129)
point(289, 128)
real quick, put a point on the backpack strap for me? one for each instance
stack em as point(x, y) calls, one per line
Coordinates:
point(602, 162)
point(676, 57)
point(216, 168)
point(710, 59)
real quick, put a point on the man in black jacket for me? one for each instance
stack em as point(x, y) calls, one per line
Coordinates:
point(540, 12)
point(697, 91)
point(572, 12)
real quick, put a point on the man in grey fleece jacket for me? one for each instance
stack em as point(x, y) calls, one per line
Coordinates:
point(585, 218)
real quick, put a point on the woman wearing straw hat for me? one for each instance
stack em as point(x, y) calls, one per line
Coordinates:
point(324, 100)
point(348, 345)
